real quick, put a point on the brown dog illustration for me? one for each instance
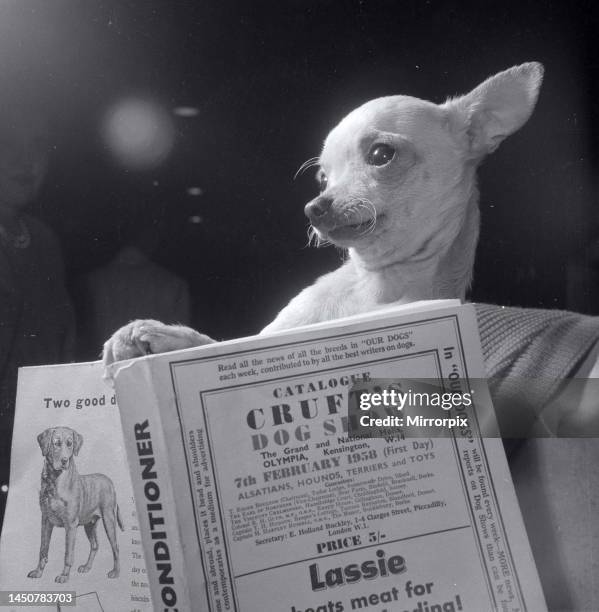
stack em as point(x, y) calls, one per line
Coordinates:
point(69, 500)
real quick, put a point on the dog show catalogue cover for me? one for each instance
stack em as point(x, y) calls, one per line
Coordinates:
point(254, 494)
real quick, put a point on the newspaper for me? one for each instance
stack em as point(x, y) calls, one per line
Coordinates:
point(68, 459)
point(253, 496)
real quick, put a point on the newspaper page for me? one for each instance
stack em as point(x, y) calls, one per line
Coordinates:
point(281, 509)
point(69, 465)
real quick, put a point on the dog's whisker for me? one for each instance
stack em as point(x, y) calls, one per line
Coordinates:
point(311, 232)
point(369, 206)
point(356, 208)
point(309, 163)
point(370, 227)
point(353, 208)
point(366, 212)
point(315, 240)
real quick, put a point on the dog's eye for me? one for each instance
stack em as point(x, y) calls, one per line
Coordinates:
point(69, 443)
point(380, 154)
point(322, 181)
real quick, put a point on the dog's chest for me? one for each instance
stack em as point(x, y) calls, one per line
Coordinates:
point(54, 502)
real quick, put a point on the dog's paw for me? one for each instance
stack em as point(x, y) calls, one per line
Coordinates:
point(146, 337)
point(36, 573)
point(61, 578)
point(114, 573)
point(129, 341)
point(83, 569)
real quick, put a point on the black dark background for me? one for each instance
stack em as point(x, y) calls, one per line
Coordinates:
point(270, 79)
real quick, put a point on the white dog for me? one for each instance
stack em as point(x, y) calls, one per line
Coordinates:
point(398, 190)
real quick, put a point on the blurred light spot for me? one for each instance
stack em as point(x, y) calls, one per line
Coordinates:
point(4, 488)
point(195, 191)
point(195, 219)
point(139, 133)
point(186, 111)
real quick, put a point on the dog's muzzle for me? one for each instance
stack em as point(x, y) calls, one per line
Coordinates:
point(318, 210)
point(339, 226)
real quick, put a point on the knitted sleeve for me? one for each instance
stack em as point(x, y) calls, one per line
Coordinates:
point(528, 353)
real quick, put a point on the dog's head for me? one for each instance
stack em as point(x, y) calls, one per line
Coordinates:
point(396, 173)
point(58, 445)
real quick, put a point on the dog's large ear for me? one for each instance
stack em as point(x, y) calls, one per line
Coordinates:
point(497, 107)
point(77, 442)
point(44, 440)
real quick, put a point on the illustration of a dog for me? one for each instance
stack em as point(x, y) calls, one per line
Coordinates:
point(68, 499)
point(398, 190)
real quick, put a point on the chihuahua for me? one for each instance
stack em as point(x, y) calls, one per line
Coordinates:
point(398, 191)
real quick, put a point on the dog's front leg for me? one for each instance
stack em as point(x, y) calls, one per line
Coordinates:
point(70, 534)
point(44, 546)
point(144, 337)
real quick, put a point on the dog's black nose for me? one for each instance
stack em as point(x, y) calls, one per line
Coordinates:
point(318, 207)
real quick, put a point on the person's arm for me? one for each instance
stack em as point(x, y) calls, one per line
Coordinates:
point(578, 404)
point(537, 361)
